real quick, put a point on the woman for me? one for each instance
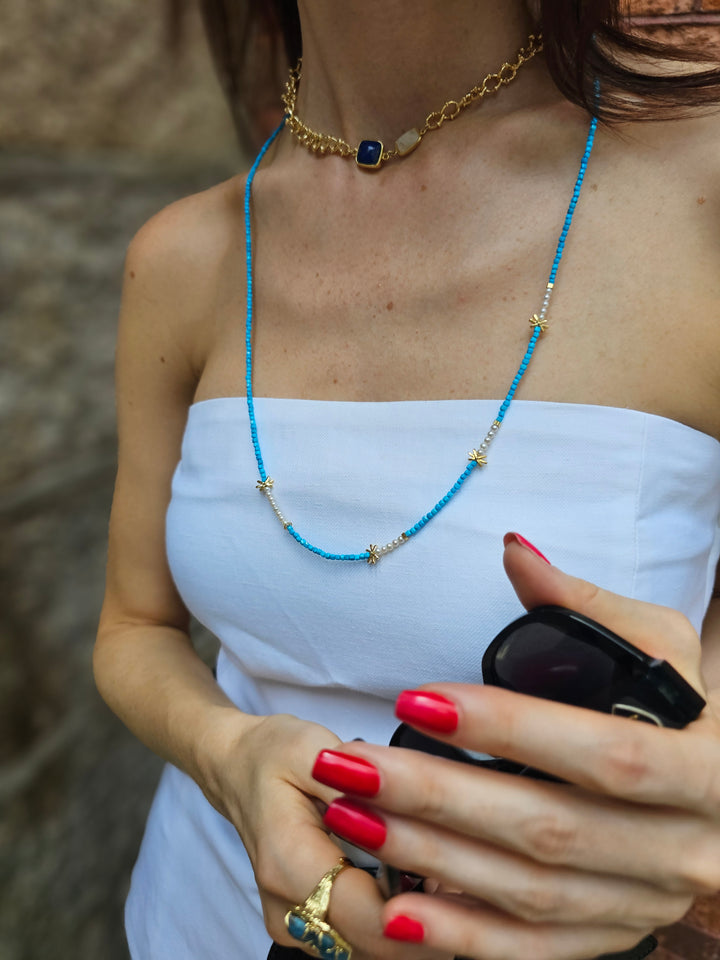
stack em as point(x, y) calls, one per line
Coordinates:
point(389, 313)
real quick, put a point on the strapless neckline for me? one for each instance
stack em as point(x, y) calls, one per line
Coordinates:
point(552, 406)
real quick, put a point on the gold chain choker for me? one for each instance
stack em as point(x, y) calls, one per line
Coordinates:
point(371, 154)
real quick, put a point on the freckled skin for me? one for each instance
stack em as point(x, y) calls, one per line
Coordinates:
point(467, 262)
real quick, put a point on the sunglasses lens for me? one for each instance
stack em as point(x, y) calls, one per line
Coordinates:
point(543, 661)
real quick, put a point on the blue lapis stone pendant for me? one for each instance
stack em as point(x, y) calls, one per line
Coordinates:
point(369, 154)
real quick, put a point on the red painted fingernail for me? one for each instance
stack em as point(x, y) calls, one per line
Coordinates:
point(346, 773)
point(420, 708)
point(405, 929)
point(356, 823)
point(525, 543)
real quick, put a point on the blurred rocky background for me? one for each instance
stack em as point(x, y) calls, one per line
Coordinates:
point(690, 21)
point(100, 126)
point(107, 115)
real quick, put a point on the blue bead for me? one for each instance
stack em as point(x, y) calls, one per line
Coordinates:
point(325, 943)
point(297, 927)
point(369, 153)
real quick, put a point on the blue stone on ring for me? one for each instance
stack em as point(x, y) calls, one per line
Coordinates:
point(326, 945)
point(369, 154)
point(297, 927)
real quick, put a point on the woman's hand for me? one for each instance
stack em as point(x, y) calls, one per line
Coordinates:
point(259, 778)
point(547, 871)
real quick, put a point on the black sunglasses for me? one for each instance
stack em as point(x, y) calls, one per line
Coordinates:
point(560, 655)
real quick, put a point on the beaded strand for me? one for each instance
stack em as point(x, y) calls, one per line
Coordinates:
point(477, 457)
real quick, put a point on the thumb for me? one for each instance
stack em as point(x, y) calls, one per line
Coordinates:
point(658, 631)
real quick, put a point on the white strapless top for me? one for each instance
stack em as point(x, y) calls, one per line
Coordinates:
point(628, 500)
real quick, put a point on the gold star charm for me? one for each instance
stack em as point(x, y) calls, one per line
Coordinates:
point(479, 457)
point(373, 555)
point(264, 485)
point(535, 321)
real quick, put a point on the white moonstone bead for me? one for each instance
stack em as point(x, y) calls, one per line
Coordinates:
point(407, 142)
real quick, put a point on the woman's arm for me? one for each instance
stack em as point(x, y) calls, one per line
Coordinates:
point(145, 666)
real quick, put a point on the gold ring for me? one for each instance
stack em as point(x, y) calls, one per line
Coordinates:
point(306, 921)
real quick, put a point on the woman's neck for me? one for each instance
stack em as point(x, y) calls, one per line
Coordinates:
point(373, 68)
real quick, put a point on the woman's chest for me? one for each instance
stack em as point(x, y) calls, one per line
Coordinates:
point(438, 302)
point(592, 486)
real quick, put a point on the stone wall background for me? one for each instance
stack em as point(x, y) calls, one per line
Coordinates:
point(99, 127)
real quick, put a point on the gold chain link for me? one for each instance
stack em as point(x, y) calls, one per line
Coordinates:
point(324, 143)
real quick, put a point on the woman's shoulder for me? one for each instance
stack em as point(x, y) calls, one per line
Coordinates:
point(193, 232)
point(177, 257)
point(666, 174)
point(688, 143)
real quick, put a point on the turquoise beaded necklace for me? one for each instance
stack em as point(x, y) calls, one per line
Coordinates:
point(477, 458)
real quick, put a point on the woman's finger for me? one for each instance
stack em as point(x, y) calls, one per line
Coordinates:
point(356, 913)
point(533, 891)
point(658, 631)
point(610, 755)
point(288, 869)
point(546, 823)
point(481, 933)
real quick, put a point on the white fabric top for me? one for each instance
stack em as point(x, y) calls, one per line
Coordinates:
point(626, 499)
